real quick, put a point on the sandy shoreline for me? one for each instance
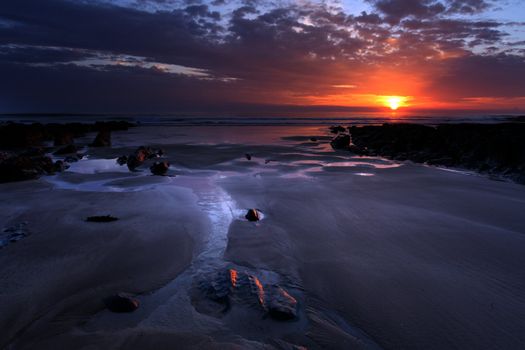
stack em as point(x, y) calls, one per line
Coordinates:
point(378, 254)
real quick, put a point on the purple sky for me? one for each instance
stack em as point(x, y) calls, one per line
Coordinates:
point(217, 57)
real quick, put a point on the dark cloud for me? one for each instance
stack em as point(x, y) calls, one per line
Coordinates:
point(80, 55)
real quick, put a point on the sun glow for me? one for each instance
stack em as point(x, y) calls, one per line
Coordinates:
point(393, 102)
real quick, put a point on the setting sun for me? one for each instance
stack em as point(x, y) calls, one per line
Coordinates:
point(393, 102)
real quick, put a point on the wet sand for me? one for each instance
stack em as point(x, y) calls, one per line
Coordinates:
point(378, 254)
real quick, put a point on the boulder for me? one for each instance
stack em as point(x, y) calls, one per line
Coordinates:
point(69, 149)
point(253, 215)
point(103, 139)
point(63, 138)
point(159, 168)
point(341, 142)
point(122, 302)
point(248, 156)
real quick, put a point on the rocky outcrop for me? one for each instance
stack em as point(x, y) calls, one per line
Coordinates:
point(16, 135)
point(27, 167)
point(494, 149)
point(69, 149)
point(231, 286)
point(337, 129)
point(341, 141)
point(103, 139)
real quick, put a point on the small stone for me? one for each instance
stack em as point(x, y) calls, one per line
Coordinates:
point(122, 302)
point(253, 215)
point(159, 168)
point(101, 218)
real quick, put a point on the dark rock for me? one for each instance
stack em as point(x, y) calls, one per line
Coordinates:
point(23, 167)
point(248, 156)
point(103, 139)
point(313, 139)
point(141, 155)
point(253, 215)
point(122, 302)
point(280, 305)
point(122, 160)
point(101, 218)
point(159, 168)
point(69, 149)
point(21, 135)
point(341, 142)
point(63, 138)
point(492, 149)
point(337, 129)
point(60, 166)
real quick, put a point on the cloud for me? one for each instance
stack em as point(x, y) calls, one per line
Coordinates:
point(171, 55)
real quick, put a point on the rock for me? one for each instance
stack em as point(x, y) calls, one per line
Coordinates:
point(60, 166)
point(21, 135)
point(280, 305)
point(248, 156)
point(341, 142)
point(122, 302)
point(159, 168)
point(337, 129)
point(101, 218)
point(313, 139)
point(63, 138)
point(253, 215)
point(23, 167)
point(103, 139)
point(122, 160)
point(69, 149)
point(137, 159)
point(492, 149)
point(141, 155)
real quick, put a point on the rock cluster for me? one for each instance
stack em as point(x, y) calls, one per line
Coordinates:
point(138, 158)
point(495, 149)
point(27, 166)
point(239, 287)
point(15, 135)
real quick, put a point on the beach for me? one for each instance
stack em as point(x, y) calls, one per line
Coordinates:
point(376, 253)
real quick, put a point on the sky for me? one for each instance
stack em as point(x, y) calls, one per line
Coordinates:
point(261, 57)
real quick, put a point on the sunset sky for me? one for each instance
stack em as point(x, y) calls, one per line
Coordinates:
point(229, 56)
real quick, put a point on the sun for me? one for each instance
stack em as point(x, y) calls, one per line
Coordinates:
point(393, 102)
